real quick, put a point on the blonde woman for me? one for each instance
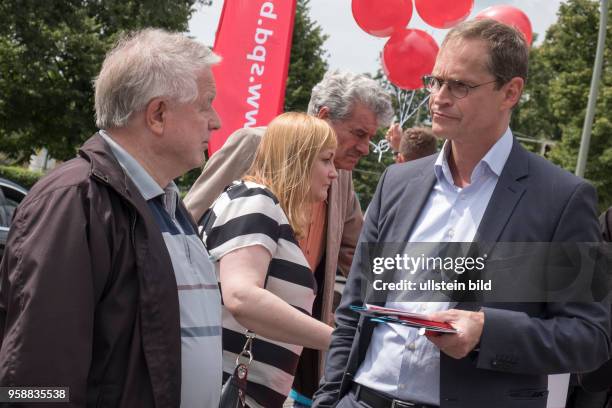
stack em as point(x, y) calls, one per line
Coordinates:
point(252, 232)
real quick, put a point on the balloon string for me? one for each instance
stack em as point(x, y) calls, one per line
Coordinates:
point(383, 145)
point(380, 148)
point(410, 103)
point(411, 114)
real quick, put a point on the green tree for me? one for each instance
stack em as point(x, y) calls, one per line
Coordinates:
point(307, 63)
point(554, 103)
point(50, 51)
point(368, 171)
point(534, 118)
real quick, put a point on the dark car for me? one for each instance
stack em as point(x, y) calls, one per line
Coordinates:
point(11, 195)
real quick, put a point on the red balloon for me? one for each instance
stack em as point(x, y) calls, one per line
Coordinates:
point(408, 55)
point(382, 18)
point(511, 16)
point(443, 13)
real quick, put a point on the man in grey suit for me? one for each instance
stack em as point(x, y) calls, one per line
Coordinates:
point(483, 187)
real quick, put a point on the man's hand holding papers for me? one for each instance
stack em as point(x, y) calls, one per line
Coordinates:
point(469, 327)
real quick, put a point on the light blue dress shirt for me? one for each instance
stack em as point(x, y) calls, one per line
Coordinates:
point(399, 362)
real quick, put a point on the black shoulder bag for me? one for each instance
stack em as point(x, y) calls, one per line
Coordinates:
point(233, 394)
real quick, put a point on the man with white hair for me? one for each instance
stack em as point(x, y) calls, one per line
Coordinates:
point(105, 286)
point(355, 106)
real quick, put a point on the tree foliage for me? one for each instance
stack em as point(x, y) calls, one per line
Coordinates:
point(50, 51)
point(368, 171)
point(556, 95)
point(307, 63)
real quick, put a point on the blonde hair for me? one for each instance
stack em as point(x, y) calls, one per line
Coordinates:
point(284, 160)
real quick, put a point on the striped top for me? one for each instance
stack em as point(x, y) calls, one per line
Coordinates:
point(249, 214)
point(198, 292)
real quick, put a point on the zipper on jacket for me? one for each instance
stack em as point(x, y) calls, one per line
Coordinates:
point(101, 177)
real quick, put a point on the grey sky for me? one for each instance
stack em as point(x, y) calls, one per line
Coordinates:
point(352, 49)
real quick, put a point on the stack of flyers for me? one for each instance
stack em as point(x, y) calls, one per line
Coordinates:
point(381, 314)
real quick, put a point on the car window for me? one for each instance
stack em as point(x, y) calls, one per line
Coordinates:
point(9, 200)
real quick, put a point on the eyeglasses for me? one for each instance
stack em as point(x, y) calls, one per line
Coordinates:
point(457, 88)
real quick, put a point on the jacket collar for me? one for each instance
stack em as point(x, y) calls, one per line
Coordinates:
point(508, 191)
point(105, 167)
point(145, 183)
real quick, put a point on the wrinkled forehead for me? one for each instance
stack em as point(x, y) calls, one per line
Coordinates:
point(361, 117)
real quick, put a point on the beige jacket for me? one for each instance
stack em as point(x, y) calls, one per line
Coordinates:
point(344, 217)
point(229, 163)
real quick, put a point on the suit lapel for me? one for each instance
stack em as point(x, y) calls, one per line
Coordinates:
point(413, 200)
point(507, 193)
point(411, 203)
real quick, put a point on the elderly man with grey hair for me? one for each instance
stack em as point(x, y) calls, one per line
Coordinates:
point(355, 106)
point(106, 288)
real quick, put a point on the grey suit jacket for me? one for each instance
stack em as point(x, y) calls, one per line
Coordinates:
point(534, 201)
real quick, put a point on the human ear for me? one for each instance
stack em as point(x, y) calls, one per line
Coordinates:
point(512, 90)
point(323, 113)
point(155, 114)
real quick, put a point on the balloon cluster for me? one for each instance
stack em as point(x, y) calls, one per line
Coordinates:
point(409, 54)
point(511, 16)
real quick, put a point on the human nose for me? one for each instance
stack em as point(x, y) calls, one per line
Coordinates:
point(215, 122)
point(363, 147)
point(333, 173)
point(442, 96)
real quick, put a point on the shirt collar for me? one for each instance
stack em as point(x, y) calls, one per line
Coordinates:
point(495, 159)
point(144, 182)
point(498, 154)
point(171, 198)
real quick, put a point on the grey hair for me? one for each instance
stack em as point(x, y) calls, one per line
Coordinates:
point(144, 65)
point(338, 91)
